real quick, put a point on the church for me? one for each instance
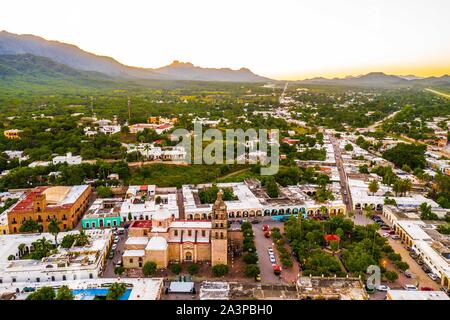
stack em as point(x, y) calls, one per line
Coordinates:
point(164, 240)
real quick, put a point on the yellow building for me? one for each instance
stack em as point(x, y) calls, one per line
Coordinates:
point(43, 204)
point(12, 134)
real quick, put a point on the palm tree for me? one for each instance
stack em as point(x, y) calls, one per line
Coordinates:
point(146, 150)
point(21, 248)
point(369, 214)
point(53, 228)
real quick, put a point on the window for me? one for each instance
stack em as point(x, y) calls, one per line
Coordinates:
point(203, 233)
point(1, 280)
point(88, 225)
point(90, 276)
point(14, 279)
point(38, 279)
point(64, 278)
point(93, 224)
point(175, 233)
point(53, 278)
point(189, 233)
point(131, 260)
point(114, 223)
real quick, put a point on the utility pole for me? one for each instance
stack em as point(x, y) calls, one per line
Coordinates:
point(129, 108)
point(92, 106)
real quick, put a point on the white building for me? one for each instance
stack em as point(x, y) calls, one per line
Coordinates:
point(68, 158)
point(416, 295)
point(66, 265)
point(142, 202)
point(13, 154)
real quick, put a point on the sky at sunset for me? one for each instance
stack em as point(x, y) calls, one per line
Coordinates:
point(282, 39)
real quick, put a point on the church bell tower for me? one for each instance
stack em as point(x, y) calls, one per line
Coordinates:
point(219, 236)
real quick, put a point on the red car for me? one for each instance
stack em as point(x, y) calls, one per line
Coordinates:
point(276, 269)
point(426, 289)
point(266, 227)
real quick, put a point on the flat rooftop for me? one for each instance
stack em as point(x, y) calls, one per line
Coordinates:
point(417, 295)
point(56, 197)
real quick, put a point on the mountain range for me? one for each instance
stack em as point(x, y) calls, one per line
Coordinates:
point(380, 79)
point(35, 59)
point(76, 58)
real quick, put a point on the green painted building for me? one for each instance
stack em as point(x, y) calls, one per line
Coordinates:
point(93, 221)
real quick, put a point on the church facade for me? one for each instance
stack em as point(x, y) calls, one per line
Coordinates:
point(165, 240)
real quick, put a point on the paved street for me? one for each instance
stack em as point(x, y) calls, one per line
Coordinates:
point(262, 244)
point(110, 263)
point(420, 278)
point(345, 189)
point(288, 275)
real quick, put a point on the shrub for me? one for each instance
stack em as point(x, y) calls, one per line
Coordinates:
point(251, 270)
point(116, 290)
point(44, 293)
point(193, 269)
point(394, 257)
point(391, 276)
point(250, 258)
point(64, 293)
point(246, 226)
point(119, 270)
point(402, 265)
point(175, 268)
point(220, 270)
point(149, 268)
point(68, 241)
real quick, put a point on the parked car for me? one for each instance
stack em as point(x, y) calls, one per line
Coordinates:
point(258, 277)
point(426, 268)
point(114, 247)
point(116, 239)
point(426, 289)
point(385, 227)
point(410, 287)
point(111, 255)
point(255, 221)
point(395, 237)
point(420, 262)
point(272, 258)
point(408, 274)
point(118, 264)
point(432, 276)
point(266, 227)
point(386, 235)
point(276, 269)
point(267, 234)
point(383, 287)
point(392, 232)
point(413, 255)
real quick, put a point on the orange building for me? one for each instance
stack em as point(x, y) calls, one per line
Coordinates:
point(43, 204)
point(162, 120)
